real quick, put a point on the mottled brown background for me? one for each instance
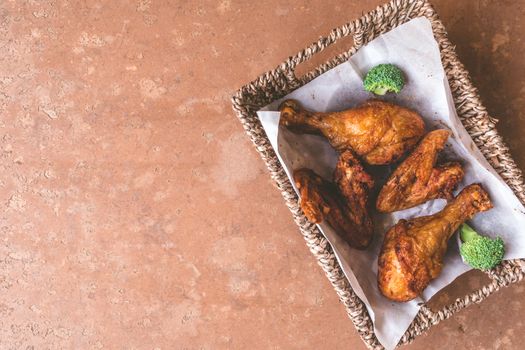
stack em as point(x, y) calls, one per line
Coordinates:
point(137, 215)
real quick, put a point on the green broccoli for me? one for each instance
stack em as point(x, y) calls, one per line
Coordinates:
point(384, 78)
point(480, 252)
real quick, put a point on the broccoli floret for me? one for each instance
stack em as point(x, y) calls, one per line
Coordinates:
point(480, 252)
point(384, 78)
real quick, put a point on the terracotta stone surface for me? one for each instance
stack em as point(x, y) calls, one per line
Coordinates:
point(136, 213)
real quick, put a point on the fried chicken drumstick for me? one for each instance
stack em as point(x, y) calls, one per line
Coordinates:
point(413, 250)
point(379, 132)
point(416, 180)
point(343, 204)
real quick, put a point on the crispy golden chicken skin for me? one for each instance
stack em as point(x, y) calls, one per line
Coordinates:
point(416, 180)
point(355, 184)
point(413, 250)
point(379, 132)
point(343, 204)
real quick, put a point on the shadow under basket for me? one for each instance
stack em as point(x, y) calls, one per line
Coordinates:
point(282, 80)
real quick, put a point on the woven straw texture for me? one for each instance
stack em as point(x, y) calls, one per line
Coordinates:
point(282, 80)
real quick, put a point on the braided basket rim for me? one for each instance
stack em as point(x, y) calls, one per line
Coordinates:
point(275, 84)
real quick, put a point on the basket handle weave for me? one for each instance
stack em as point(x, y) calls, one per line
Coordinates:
point(362, 30)
point(288, 67)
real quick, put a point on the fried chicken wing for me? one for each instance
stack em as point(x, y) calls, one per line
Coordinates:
point(343, 204)
point(355, 184)
point(416, 180)
point(379, 132)
point(413, 250)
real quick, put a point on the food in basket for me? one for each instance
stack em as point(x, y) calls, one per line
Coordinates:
point(413, 250)
point(355, 184)
point(417, 180)
point(478, 251)
point(343, 204)
point(384, 78)
point(378, 131)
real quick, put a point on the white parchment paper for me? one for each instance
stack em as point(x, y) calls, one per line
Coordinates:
point(411, 47)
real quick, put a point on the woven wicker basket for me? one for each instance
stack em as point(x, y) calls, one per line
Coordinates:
point(282, 80)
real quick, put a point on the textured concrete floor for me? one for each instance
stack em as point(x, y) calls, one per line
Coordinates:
point(137, 215)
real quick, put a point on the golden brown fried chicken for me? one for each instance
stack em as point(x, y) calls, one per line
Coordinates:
point(354, 184)
point(344, 204)
point(413, 250)
point(416, 180)
point(379, 132)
